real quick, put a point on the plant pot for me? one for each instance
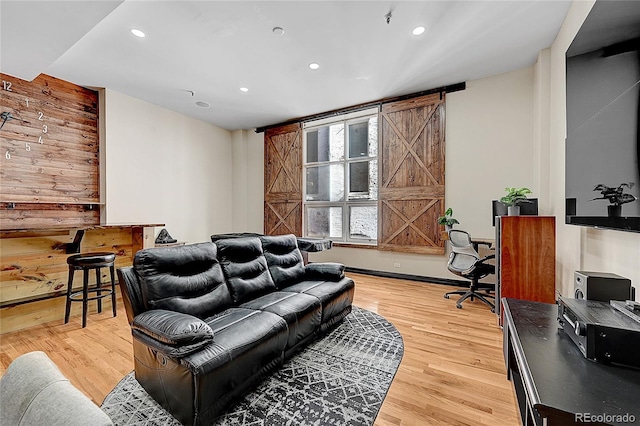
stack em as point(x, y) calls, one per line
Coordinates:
point(448, 228)
point(614, 210)
point(513, 210)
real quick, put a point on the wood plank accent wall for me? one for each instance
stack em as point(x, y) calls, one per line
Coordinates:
point(49, 153)
point(412, 165)
point(283, 180)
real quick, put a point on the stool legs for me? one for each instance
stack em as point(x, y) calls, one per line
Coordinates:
point(99, 290)
point(69, 284)
point(113, 289)
point(85, 296)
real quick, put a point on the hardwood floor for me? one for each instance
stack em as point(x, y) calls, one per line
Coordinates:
point(452, 372)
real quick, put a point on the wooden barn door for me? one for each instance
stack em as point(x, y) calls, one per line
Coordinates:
point(412, 175)
point(283, 180)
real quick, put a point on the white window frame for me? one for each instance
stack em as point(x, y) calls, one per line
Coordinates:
point(345, 204)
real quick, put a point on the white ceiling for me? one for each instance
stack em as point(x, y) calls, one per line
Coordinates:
point(212, 48)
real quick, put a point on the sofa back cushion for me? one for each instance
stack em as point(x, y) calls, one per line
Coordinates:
point(245, 268)
point(283, 259)
point(185, 279)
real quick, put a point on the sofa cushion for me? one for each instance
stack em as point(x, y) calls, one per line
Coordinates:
point(335, 296)
point(301, 312)
point(185, 279)
point(248, 344)
point(245, 268)
point(284, 259)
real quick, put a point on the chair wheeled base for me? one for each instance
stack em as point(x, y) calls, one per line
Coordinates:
point(472, 293)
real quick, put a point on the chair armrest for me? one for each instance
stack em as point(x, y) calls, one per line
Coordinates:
point(489, 257)
point(482, 243)
point(324, 271)
point(173, 333)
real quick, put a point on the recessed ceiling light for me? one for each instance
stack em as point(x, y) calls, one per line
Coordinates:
point(244, 89)
point(203, 104)
point(314, 66)
point(278, 31)
point(418, 30)
point(136, 32)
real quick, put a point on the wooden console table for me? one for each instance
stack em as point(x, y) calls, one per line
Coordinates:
point(33, 264)
point(554, 383)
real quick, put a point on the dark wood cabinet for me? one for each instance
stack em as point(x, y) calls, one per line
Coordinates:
point(526, 258)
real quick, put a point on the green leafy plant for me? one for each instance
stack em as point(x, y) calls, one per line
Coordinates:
point(615, 195)
point(447, 219)
point(515, 196)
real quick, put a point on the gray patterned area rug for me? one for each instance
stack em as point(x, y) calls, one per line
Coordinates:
point(341, 379)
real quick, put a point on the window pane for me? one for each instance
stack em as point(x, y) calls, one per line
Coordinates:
point(325, 183)
point(363, 138)
point(363, 180)
point(325, 143)
point(359, 177)
point(358, 140)
point(363, 222)
point(324, 222)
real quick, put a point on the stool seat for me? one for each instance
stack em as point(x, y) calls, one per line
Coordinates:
point(88, 262)
point(91, 260)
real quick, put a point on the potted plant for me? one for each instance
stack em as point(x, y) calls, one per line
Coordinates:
point(514, 197)
point(616, 197)
point(447, 220)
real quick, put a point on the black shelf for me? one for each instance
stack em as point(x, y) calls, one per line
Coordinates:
point(622, 223)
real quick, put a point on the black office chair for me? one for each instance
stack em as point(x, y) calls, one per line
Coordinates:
point(465, 261)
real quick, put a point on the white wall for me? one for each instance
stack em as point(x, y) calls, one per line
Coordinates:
point(164, 167)
point(489, 146)
point(580, 248)
point(248, 181)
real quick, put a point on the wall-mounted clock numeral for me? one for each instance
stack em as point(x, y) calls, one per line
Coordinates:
point(45, 129)
point(7, 155)
point(40, 116)
point(40, 139)
point(27, 146)
point(6, 85)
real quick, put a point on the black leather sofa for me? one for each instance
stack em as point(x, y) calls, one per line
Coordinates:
point(210, 320)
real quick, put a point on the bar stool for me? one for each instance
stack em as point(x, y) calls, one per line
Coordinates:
point(87, 262)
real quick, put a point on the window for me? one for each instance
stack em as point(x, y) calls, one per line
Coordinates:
point(341, 178)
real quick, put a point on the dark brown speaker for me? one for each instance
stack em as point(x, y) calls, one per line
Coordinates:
point(601, 286)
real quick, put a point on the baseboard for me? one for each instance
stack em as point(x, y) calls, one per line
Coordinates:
point(420, 278)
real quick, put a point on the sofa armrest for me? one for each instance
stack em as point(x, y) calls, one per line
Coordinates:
point(33, 391)
point(173, 333)
point(328, 271)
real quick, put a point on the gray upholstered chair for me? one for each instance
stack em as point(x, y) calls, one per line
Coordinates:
point(465, 261)
point(34, 392)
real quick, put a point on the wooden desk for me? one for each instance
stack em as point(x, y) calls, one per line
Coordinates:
point(33, 266)
point(554, 383)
